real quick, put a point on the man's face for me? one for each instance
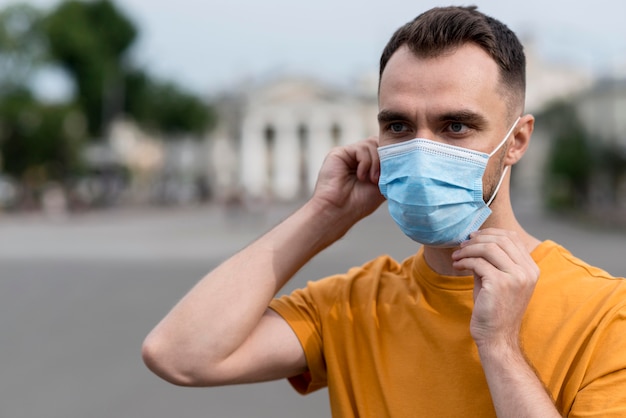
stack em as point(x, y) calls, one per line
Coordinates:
point(454, 99)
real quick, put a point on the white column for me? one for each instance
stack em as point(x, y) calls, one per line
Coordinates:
point(224, 166)
point(320, 143)
point(286, 159)
point(253, 157)
point(353, 127)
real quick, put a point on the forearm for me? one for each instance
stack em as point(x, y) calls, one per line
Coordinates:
point(214, 319)
point(515, 388)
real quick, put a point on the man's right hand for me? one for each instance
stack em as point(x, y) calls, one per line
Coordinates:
point(348, 179)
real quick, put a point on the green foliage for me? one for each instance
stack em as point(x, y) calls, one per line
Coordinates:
point(165, 107)
point(46, 139)
point(22, 46)
point(38, 142)
point(571, 157)
point(571, 162)
point(90, 40)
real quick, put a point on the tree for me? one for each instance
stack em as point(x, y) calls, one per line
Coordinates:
point(91, 41)
point(38, 142)
point(165, 107)
point(46, 139)
point(571, 160)
point(22, 46)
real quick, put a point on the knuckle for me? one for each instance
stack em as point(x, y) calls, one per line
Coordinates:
point(491, 246)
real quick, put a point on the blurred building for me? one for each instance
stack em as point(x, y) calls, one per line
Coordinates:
point(132, 166)
point(546, 81)
point(602, 110)
point(273, 135)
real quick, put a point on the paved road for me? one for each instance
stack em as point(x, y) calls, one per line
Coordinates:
point(77, 297)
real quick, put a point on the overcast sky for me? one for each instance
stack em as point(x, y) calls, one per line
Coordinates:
point(210, 45)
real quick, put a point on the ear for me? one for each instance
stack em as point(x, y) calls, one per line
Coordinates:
point(521, 134)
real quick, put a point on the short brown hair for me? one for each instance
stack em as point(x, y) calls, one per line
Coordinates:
point(442, 29)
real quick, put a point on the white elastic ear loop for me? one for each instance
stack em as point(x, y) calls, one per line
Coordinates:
point(495, 192)
point(506, 136)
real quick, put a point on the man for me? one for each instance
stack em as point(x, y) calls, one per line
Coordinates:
point(485, 320)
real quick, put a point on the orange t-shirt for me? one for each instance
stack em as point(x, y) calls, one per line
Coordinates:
point(393, 340)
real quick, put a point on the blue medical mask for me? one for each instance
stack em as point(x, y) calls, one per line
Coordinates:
point(434, 191)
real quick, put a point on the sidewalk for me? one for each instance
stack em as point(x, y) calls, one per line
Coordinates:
point(212, 232)
point(163, 233)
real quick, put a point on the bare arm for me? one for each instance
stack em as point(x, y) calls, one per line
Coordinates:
point(515, 388)
point(222, 332)
point(504, 280)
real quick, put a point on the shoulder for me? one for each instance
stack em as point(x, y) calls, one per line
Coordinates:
point(369, 281)
point(569, 284)
point(380, 269)
point(555, 261)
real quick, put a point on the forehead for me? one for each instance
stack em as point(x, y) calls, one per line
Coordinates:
point(463, 78)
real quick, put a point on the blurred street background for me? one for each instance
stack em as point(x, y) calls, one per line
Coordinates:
point(77, 299)
point(142, 142)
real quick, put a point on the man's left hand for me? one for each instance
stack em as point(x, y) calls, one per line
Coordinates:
point(505, 276)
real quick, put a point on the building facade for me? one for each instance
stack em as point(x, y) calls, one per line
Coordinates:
point(602, 110)
point(278, 134)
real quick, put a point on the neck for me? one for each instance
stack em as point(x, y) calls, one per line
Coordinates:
point(502, 217)
point(440, 260)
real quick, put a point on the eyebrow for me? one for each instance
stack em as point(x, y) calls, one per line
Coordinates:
point(464, 116)
point(386, 116)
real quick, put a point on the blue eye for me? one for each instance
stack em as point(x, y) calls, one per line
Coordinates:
point(396, 127)
point(456, 127)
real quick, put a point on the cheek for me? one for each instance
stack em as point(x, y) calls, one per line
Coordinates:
point(492, 175)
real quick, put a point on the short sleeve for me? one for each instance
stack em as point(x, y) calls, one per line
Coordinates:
point(301, 313)
point(321, 317)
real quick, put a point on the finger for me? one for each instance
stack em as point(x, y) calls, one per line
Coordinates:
point(490, 259)
point(375, 166)
point(367, 159)
point(364, 160)
point(492, 243)
point(480, 267)
point(500, 253)
point(490, 252)
point(491, 234)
